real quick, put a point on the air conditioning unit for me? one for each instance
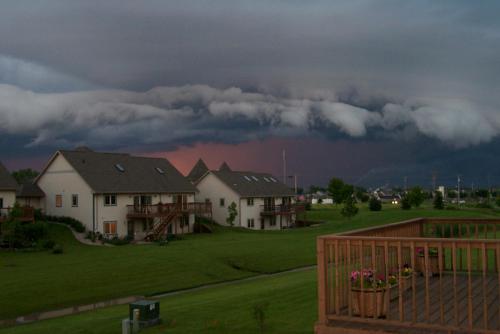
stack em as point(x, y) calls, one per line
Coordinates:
point(149, 313)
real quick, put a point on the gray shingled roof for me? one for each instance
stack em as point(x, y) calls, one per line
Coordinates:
point(29, 189)
point(251, 184)
point(7, 182)
point(140, 175)
point(199, 169)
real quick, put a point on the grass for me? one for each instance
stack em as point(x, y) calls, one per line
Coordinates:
point(33, 282)
point(291, 308)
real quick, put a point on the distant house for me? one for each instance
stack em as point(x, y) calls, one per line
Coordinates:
point(119, 195)
point(8, 187)
point(262, 202)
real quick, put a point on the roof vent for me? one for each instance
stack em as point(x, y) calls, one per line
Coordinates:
point(159, 170)
point(120, 168)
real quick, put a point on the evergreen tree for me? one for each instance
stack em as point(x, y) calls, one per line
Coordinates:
point(438, 201)
point(375, 204)
point(350, 209)
point(405, 203)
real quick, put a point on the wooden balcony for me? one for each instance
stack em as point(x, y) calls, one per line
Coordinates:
point(162, 210)
point(283, 210)
point(454, 287)
point(27, 215)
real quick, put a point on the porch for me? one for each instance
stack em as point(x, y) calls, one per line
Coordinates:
point(454, 287)
point(281, 209)
point(27, 214)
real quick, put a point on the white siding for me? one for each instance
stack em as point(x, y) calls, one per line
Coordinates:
point(61, 179)
point(214, 189)
point(8, 197)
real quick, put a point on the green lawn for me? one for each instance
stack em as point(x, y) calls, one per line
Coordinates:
point(83, 274)
point(291, 308)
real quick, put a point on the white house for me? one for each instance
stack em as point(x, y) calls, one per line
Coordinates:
point(117, 194)
point(8, 187)
point(262, 202)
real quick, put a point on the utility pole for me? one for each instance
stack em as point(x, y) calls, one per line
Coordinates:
point(458, 190)
point(284, 167)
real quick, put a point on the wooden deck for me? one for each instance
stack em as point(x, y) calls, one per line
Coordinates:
point(462, 296)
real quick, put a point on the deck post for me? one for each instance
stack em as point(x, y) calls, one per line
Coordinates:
point(321, 281)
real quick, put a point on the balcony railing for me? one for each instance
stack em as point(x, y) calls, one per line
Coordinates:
point(159, 210)
point(435, 274)
point(281, 209)
point(27, 214)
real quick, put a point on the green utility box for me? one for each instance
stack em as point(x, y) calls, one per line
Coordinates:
point(149, 312)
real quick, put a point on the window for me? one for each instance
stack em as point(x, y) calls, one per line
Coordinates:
point(110, 228)
point(222, 202)
point(1, 203)
point(250, 201)
point(58, 201)
point(110, 200)
point(251, 223)
point(272, 221)
point(74, 200)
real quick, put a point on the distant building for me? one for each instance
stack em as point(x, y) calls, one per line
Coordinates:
point(262, 201)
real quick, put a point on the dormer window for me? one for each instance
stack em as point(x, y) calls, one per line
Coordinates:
point(120, 168)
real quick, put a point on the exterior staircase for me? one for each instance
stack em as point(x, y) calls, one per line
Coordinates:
point(161, 226)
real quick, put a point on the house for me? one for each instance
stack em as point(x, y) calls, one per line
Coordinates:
point(8, 187)
point(262, 202)
point(119, 195)
point(30, 194)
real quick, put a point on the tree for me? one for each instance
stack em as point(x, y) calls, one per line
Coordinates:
point(339, 190)
point(438, 201)
point(24, 175)
point(497, 201)
point(416, 196)
point(405, 203)
point(375, 204)
point(350, 209)
point(232, 213)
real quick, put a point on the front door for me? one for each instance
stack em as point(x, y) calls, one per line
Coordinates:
point(131, 230)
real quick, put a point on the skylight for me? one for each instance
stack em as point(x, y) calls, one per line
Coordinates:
point(120, 168)
point(273, 179)
point(266, 179)
point(256, 179)
point(247, 178)
point(159, 170)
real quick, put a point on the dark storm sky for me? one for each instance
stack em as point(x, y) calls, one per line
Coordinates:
point(419, 78)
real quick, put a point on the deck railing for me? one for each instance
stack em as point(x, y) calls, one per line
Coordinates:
point(27, 214)
point(157, 210)
point(451, 281)
point(281, 209)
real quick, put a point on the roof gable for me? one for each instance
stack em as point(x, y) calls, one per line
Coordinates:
point(7, 182)
point(199, 169)
point(225, 167)
point(123, 173)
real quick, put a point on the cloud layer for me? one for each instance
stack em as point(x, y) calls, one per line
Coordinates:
point(202, 113)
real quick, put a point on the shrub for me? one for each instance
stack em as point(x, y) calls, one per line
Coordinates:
point(416, 196)
point(484, 205)
point(350, 209)
point(17, 234)
point(364, 198)
point(375, 204)
point(497, 201)
point(117, 241)
point(48, 244)
point(75, 224)
point(405, 203)
point(308, 206)
point(438, 201)
point(57, 249)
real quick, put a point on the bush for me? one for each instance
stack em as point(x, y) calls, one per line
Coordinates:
point(405, 203)
point(438, 201)
point(350, 209)
point(484, 205)
point(117, 241)
point(48, 244)
point(375, 204)
point(364, 198)
point(497, 201)
point(17, 234)
point(75, 224)
point(57, 249)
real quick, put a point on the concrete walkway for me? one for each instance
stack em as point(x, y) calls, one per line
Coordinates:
point(126, 300)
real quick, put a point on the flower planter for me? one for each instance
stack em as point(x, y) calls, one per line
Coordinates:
point(369, 303)
point(406, 282)
point(433, 264)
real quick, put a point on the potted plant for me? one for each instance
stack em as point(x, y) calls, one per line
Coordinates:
point(432, 263)
point(406, 275)
point(368, 293)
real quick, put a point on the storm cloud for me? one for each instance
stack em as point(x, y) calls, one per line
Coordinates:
point(177, 72)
